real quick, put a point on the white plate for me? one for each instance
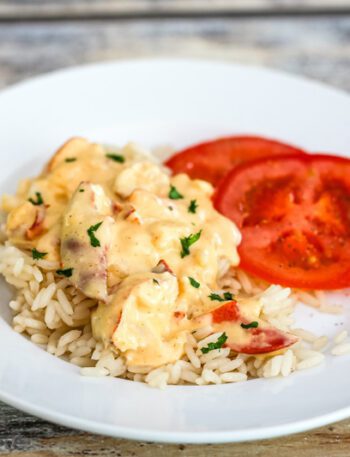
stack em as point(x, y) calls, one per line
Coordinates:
point(174, 102)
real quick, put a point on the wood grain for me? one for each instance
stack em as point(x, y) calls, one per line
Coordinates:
point(316, 47)
point(15, 9)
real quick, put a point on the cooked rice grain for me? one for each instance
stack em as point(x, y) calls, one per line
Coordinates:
point(341, 337)
point(310, 362)
point(56, 316)
point(341, 349)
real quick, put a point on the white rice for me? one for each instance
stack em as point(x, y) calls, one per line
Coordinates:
point(341, 337)
point(55, 316)
point(320, 343)
point(341, 349)
point(93, 371)
point(191, 355)
point(68, 337)
point(64, 302)
point(331, 309)
point(310, 362)
point(305, 335)
point(233, 377)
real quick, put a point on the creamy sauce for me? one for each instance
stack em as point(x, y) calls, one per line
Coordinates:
point(142, 313)
point(140, 318)
point(88, 207)
point(249, 310)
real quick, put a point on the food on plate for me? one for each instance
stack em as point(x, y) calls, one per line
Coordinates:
point(247, 336)
point(127, 271)
point(212, 160)
point(294, 216)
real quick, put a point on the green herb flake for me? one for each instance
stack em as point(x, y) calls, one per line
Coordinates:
point(194, 283)
point(39, 199)
point(156, 282)
point(70, 159)
point(67, 273)
point(218, 345)
point(91, 232)
point(253, 324)
point(81, 190)
point(174, 194)
point(227, 296)
point(37, 255)
point(116, 157)
point(215, 297)
point(187, 242)
point(192, 208)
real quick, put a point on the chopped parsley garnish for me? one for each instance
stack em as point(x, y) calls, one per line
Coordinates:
point(194, 283)
point(39, 199)
point(37, 255)
point(174, 194)
point(70, 159)
point(227, 296)
point(187, 241)
point(253, 324)
point(91, 232)
point(67, 272)
point(218, 345)
point(116, 157)
point(81, 190)
point(192, 208)
point(156, 282)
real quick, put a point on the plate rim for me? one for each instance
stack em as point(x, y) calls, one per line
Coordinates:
point(172, 60)
point(250, 434)
point(231, 436)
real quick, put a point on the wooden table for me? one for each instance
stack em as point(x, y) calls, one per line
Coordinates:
point(309, 37)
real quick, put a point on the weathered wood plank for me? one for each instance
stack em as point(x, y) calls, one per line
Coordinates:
point(316, 47)
point(24, 436)
point(14, 9)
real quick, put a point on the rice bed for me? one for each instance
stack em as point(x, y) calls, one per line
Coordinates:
point(55, 316)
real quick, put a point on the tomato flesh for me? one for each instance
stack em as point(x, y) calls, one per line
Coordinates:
point(294, 215)
point(212, 160)
point(260, 340)
point(227, 312)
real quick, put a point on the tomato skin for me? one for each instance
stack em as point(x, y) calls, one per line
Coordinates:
point(264, 341)
point(38, 225)
point(212, 160)
point(304, 240)
point(260, 340)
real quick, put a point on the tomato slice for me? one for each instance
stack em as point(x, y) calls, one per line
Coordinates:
point(294, 215)
point(212, 160)
point(259, 339)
